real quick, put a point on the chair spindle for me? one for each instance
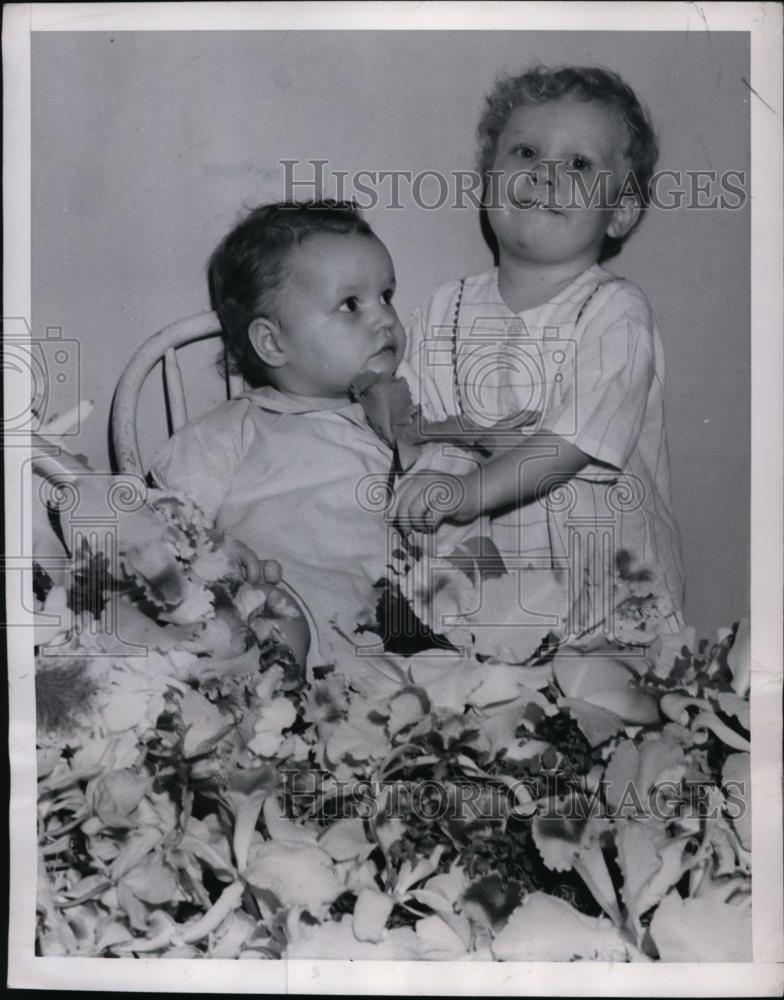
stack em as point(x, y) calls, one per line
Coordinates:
point(174, 390)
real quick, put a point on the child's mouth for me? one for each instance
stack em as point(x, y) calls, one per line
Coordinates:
point(385, 358)
point(533, 204)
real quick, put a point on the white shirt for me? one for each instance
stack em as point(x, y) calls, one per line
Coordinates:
point(302, 485)
point(588, 366)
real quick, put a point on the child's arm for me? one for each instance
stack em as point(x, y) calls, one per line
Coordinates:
point(515, 476)
point(597, 422)
point(200, 460)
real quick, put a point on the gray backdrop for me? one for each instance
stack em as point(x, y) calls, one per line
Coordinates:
point(146, 145)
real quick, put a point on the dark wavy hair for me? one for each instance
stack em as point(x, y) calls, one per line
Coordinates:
point(248, 269)
point(585, 83)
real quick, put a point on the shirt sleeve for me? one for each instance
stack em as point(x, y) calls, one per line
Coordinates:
point(602, 406)
point(201, 458)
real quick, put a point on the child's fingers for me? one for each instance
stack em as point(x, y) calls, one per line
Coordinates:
point(249, 564)
point(253, 568)
point(410, 511)
point(410, 495)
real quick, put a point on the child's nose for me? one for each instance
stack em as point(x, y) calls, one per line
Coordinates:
point(543, 173)
point(537, 175)
point(385, 318)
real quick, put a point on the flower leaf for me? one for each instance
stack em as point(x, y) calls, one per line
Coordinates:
point(698, 930)
point(158, 570)
point(282, 830)
point(204, 724)
point(298, 874)
point(739, 659)
point(346, 840)
point(409, 874)
point(735, 707)
point(591, 866)
point(336, 940)
point(491, 897)
point(138, 845)
point(527, 606)
point(152, 881)
point(559, 838)
point(500, 683)
point(209, 855)
point(633, 771)
point(736, 774)
point(546, 929)
point(708, 720)
point(598, 724)
point(438, 940)
point(115, 794)
point(135, 910)
point(406, 708)
point(449, 682)
point(651, 864)
point(587, 676)
point(371, 912)
point(633, 706)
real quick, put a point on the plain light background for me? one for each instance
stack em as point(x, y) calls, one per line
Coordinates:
point(146, 146)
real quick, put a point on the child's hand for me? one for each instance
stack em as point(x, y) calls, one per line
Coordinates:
point(424, 500)
point(246, 562)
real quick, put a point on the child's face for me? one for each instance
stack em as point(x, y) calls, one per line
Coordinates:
point(336, 317)
point(542, 215)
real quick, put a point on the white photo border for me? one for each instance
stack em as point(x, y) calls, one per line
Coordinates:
point(764, 977)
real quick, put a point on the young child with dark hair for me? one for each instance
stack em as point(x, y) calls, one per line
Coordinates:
point(291, 468)
point(559, 356)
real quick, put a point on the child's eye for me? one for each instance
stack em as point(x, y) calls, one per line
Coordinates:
point(387, 296)
point(581, 163)
point(351, 304)
point(524, 152)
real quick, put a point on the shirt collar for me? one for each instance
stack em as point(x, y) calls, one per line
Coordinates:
point(587, 277)
point(268, 398)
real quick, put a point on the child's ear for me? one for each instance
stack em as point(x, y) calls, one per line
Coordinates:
point(624, 217)
point(267, 341)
